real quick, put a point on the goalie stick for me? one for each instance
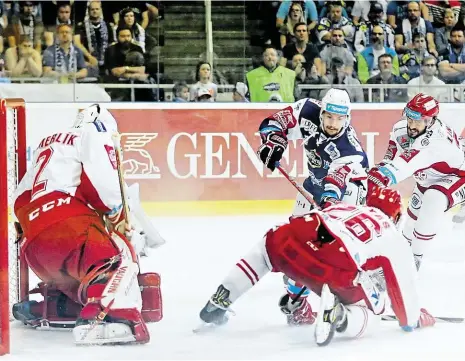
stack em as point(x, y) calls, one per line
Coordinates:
point(116, 138)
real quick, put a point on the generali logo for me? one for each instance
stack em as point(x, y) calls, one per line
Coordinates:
point(213, 156)
point(137, 161)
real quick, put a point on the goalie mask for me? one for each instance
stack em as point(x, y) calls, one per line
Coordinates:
point(335, 112)
point(99, 116)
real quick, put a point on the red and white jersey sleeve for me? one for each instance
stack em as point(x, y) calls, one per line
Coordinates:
point(373, 242)
point(429, 157)
point(99, 179)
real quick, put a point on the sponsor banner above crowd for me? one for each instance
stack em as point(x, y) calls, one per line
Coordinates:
point(188, 155)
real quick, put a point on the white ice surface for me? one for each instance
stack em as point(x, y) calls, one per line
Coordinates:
point(199, 253)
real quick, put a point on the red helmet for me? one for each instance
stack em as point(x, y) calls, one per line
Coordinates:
point(386, 200)
point(422, 106)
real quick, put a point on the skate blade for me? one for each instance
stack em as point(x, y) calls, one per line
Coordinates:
point(324, 331)
point(204, 327)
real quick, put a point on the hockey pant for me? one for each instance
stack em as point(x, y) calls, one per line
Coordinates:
point(256, 264)
point(64, 254)
point(426, 213)
point(355, 194)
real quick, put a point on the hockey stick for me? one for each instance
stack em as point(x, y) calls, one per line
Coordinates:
point(310, 199)
point(116, 138)
point(438, 319)
point(122, 185)
point(297, 186)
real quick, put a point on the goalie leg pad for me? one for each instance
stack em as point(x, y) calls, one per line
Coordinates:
point(56, 310)
point(116, 326)
point(113, 303)
point(152, 303)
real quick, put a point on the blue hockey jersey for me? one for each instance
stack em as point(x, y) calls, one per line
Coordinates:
point(324, 154)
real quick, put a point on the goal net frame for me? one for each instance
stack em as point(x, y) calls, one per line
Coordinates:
point(14, 272)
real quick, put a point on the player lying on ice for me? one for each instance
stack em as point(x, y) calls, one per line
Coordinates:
point(336, 163)
point(76, 240)
point(352, 256)
point(425, 147)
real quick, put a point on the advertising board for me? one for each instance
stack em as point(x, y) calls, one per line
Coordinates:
point(192, 159)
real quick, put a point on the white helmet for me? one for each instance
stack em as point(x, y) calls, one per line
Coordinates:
point(336, 101)
point(98, 115)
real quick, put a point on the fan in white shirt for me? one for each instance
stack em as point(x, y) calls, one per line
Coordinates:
point(426, 81)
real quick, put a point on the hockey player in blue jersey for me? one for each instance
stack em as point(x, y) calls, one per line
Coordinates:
point(336, 162)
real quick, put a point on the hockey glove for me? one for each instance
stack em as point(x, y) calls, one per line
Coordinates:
point(425, 320)
point(328, 199)
point(376, 179)
point(272, 149)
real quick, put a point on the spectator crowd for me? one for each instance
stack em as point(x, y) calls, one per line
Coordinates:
point(310, 47)
point(83, 41)
point(349, 43)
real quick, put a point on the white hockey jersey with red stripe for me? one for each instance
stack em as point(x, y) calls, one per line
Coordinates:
point(373, 243)
point(429, 158)
point(73, 173)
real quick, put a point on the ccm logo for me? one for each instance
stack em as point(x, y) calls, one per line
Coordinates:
point(48, 206)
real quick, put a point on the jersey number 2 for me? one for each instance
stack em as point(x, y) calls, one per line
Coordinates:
point(42, 161)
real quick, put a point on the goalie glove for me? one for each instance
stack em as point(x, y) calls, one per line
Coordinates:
point(117, 221)
point(138, 241)
point(141, 221)
point(272, 149)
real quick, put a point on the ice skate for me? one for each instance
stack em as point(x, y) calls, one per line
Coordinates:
point(215, 312)
point(298, 313)
point(332, 317)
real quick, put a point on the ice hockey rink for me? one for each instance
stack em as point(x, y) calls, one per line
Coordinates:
point(198, 254)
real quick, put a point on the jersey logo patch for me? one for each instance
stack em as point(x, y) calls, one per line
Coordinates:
point(285, 118)
point(314, 158)
point(408, 155)
point(309, 126)
point(111, 155)
point(100, 126)
point(332, 151)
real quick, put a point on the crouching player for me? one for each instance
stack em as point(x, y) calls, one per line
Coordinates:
point(352, 256)
point(69, 208)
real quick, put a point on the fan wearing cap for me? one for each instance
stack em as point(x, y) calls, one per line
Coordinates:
point(203, 95)
point(364, 31)
point(361, 10)
point(425, 147)
point(240, 92)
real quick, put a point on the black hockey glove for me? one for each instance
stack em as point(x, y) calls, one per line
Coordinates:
point(272, 149)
